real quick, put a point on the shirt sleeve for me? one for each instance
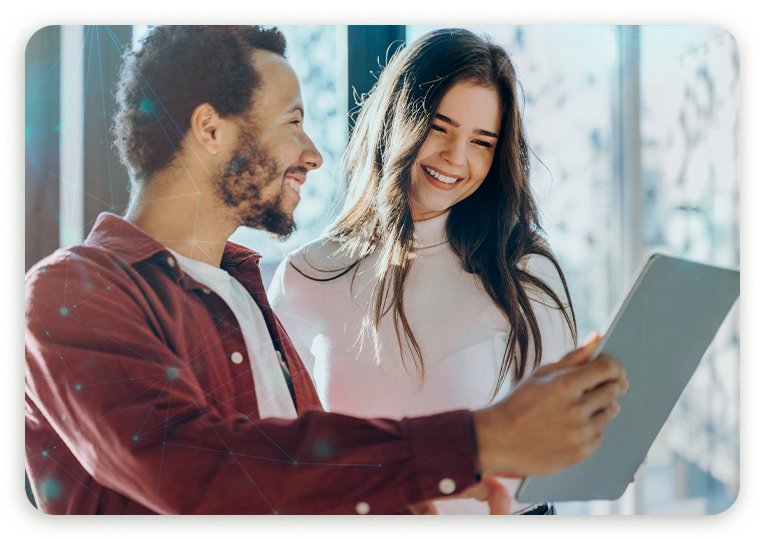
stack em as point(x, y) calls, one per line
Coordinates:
point(97, 368)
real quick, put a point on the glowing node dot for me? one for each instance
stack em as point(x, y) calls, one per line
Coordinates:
point(362, 508)
point(135, 438)
point(42, 270)
point(172, 373)
point(50, 488)
point(44, 453)
point(108, 288)
point(296, 463)
point(275, 512)
point(64, 310)
point(78, 387)
point(112, 207)
point(246, 417)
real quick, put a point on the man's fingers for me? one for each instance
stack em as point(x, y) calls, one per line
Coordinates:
point(594, 374)
point(572, 359)
point(603, 396)
point(601, 419)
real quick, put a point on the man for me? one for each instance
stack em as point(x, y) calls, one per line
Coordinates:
point(159, 380)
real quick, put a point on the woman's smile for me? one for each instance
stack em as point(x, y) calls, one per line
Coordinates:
point(458, 152)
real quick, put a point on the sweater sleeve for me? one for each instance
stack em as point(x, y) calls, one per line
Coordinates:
point(291, 298)
point(556, 338)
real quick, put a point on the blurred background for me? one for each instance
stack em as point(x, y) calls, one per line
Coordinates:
point(634, 131)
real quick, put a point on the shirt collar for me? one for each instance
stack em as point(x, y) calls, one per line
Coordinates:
point(115, 234)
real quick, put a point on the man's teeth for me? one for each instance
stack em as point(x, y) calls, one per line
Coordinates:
point(294, 185)
point(440, 177)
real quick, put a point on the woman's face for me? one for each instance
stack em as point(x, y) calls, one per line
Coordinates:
point(457, 155)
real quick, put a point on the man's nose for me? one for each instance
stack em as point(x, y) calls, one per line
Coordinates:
point(310, 157)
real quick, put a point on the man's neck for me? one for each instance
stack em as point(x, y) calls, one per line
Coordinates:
point(178, 212)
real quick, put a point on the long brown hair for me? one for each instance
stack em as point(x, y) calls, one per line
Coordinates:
point(489, 231)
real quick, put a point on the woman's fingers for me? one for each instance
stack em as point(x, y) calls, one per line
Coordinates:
point(427, 508)
point(499, 499)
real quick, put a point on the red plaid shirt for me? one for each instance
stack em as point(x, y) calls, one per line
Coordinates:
point(134, 404)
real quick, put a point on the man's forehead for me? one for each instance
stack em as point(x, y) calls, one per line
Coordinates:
point(279, 87)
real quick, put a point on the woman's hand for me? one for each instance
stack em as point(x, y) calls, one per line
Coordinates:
point(489, 490)
point(644, 461)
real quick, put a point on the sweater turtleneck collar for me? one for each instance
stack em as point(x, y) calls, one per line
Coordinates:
point(431, 232)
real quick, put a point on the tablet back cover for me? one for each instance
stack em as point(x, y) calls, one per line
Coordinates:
point(660, 334)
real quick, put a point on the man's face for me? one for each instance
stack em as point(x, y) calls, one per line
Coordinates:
point(261, 182)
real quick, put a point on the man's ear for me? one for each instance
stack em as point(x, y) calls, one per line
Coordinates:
point(207, 128)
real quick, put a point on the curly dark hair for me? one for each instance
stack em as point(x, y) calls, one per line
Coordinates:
point(177, 69)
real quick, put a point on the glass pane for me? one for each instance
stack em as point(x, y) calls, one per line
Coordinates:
point(689, 129)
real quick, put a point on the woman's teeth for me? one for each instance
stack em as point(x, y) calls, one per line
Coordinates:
point(440, 177)
point(294, 185)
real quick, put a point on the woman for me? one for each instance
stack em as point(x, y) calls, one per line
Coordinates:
point(433, 289)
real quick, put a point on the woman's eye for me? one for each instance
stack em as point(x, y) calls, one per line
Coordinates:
point(438, 128)
point(483, 143)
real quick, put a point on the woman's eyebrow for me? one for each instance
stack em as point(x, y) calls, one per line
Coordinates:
point(456, 124)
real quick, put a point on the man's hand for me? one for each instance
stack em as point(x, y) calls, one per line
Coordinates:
point(489, 490)
point(554, 418)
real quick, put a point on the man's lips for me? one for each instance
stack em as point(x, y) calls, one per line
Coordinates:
point(294, 185)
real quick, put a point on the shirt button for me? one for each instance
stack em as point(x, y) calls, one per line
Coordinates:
point(171, 261)
point(237, 358)
point(447, 486)
point(362, 508)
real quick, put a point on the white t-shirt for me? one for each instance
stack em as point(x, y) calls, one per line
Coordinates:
point(268, 367)
point(461, 332)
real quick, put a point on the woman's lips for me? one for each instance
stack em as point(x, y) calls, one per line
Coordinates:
point(435, 182)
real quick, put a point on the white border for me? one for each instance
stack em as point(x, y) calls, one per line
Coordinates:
point(739, 17)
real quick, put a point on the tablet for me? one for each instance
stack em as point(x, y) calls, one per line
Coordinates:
point(659, 334)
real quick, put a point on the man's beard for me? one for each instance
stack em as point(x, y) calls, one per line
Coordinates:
point(242, 180)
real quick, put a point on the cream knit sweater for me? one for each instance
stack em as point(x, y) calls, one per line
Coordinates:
point(462, 334)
